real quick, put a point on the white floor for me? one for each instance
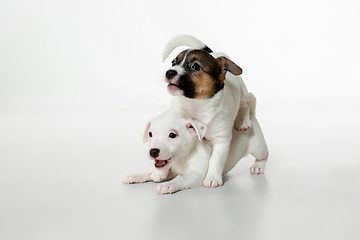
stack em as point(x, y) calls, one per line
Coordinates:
point(60, 174)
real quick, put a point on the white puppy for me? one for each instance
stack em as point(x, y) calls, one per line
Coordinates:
point(207, 85)
point(177, 152)
point(179, 155)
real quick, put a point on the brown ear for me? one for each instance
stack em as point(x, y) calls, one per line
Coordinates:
point(228, 65)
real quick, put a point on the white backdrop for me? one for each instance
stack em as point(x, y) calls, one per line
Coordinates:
point(79, 80)
point(107, 53)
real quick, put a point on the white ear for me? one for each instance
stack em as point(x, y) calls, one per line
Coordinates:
point(146, 132)
point(196, 127)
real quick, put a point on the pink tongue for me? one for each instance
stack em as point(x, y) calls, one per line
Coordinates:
point(160, 163)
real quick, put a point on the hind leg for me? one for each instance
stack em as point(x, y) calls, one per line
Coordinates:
point(261, 158)
point(258, 167)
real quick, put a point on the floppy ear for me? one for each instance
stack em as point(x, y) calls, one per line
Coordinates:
point(146, 132)
point(228, 65)
point(196, 127)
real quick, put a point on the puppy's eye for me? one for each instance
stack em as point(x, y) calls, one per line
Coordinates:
point(195, 66)
point(173, 62)
point(150, 134)
point(172, 135)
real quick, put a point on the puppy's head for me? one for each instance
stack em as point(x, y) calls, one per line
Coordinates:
point(172, 135)
point(198, 75)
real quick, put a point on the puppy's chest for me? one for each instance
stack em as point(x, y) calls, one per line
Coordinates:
point(205, 113)
point(204, 116)
point(178, 168)
point(202, 110)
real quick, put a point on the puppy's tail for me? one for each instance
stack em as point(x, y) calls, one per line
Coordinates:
point(184, 40)
point(251, 101)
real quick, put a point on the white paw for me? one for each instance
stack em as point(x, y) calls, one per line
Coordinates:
point(256, 170)
point(243, 125)
point(166, 188)
point(258, 167)
point(212, 182)
point(158, 176)
point(135, 178)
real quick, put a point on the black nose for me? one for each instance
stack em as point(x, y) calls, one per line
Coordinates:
point(154, 152)
point(170, 74)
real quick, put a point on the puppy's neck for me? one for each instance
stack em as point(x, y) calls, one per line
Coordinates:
point(180, 164)
point(199, 108)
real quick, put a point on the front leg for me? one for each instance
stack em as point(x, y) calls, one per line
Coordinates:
point(137, 178)
point(247, 108)
point(159, 175)
point(242, 121)
point(153, 174)
point(217, 161)
point(189, 180)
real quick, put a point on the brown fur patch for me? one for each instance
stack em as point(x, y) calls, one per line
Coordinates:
point(206, 80)
point(204, 85)
point(179, 57)
point(228, 65)
point(207, 62)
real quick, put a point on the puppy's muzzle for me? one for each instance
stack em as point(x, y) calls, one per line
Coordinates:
point(170, 74)
point(160, 164)
point(154, 152)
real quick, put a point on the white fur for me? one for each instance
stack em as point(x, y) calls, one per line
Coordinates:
point(190, 157)
point(179, 41)
point(176, 91)
point(247, 142)
point(219, 112)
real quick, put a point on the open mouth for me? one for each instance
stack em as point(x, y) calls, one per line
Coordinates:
point(172, 85)
point(174, 89)
point(161, 163)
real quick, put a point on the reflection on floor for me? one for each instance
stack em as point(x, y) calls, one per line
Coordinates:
point(60, 179)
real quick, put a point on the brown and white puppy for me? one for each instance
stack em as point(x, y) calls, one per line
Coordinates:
point(208, 86)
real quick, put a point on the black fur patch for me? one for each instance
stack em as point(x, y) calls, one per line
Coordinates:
point(207, 49)
point(187, 86)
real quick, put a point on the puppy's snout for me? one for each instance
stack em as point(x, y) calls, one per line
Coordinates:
point(154, 152)
point(170, 74)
